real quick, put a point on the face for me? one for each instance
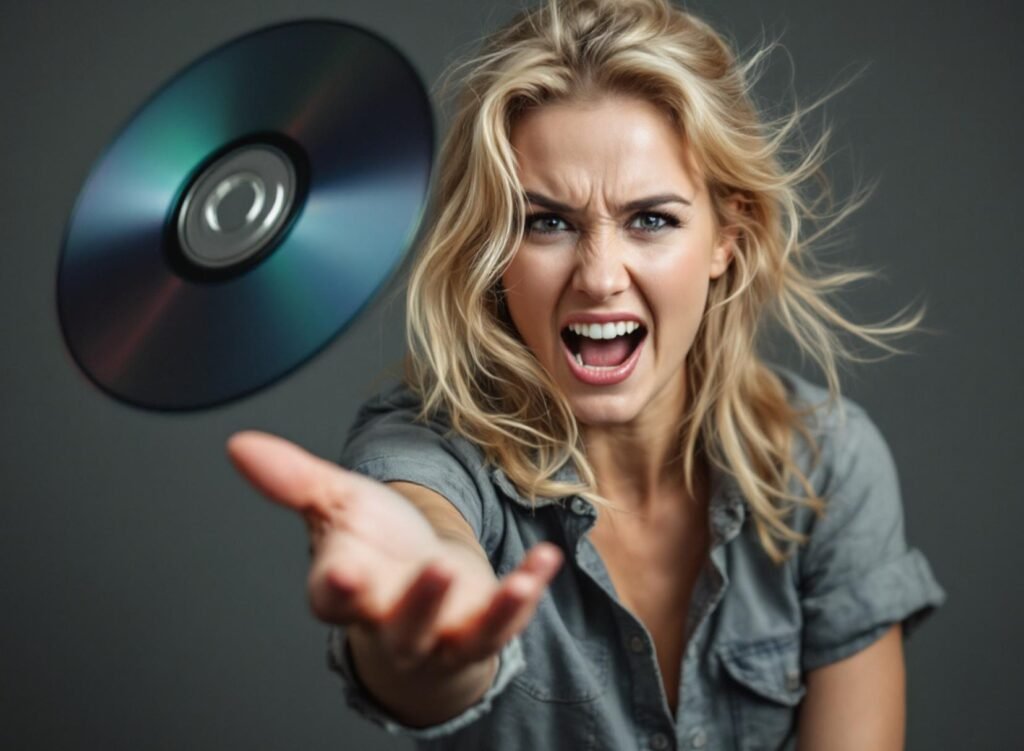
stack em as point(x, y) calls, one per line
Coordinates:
point(610, 282)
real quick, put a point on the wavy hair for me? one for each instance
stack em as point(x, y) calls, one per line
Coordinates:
point(466, 359)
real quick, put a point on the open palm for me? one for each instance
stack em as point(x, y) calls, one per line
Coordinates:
point(379, 567)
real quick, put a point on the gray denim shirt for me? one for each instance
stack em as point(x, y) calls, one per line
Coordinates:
point(583, 674)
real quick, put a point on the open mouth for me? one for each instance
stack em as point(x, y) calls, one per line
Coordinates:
point(597, 346)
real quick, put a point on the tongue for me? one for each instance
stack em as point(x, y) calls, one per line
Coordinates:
point(604, 352)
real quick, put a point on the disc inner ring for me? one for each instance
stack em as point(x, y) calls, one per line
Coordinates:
point(235, 207)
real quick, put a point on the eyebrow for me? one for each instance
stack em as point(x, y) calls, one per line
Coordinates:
point(638, 204)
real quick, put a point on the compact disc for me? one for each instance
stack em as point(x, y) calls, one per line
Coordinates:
point(245, 215)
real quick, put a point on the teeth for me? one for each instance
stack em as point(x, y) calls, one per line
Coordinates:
point(579, 360)
point(604, 331)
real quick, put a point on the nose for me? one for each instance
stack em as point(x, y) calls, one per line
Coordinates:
point(601, 271)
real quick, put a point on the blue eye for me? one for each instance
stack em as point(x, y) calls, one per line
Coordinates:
point(661, 221)
point(544, 224)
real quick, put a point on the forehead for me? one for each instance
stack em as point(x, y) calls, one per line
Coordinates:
point(615, 144)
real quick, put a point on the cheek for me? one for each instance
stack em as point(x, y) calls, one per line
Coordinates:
point(531, 289)
point(679, 287)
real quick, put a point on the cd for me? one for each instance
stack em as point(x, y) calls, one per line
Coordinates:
point(245, 215)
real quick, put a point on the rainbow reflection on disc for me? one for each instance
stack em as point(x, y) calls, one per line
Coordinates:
point(245, 215)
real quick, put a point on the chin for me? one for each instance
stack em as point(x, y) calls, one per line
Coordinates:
point(604, 409)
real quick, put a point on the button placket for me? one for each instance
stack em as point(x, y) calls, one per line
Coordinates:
point(712, 581)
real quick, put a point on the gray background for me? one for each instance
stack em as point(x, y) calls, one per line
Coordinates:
point(151, 600)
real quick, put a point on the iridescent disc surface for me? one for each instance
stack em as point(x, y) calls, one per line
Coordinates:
point(333, 110)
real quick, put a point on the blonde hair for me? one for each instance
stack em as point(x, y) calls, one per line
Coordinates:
point(466, 358)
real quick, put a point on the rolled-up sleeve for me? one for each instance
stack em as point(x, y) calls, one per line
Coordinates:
point(339, 659)
point(858, 575)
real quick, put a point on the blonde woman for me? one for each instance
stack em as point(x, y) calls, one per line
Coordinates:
point(592, 517)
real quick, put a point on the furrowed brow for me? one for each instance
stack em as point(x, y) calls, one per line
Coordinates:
point(549, 203)
point(641, 203)
point(652, 201)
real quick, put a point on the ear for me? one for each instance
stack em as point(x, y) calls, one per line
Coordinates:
point(727, 237)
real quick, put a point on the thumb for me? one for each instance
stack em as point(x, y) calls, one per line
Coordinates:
point(286, 472)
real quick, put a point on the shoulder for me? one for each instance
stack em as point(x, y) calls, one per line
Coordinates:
point(850, 467)
point(390, 423)
point(850, 445)
point(395, 404)
point(390, 440)
point(853, 471)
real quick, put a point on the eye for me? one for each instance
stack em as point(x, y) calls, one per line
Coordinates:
point(545, 224)
point(654, 221)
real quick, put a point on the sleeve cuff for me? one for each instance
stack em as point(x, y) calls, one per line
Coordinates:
point(510, 662)
point(849, 617)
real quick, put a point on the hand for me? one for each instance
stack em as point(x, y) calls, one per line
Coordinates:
point(411, 598)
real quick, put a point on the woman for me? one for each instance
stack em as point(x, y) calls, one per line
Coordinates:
point(593, 517)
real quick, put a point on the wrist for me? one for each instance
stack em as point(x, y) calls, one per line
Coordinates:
point(418, 696)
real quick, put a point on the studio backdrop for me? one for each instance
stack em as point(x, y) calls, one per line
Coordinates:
point(150, 599)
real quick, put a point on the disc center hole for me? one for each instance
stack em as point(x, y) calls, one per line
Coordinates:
point(235, 203)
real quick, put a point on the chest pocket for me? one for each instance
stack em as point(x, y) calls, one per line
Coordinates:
point(765, 686)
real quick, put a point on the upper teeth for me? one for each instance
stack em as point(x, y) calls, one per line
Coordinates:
point(604, 330)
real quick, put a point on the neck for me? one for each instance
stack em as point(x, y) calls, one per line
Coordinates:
point(639, 465)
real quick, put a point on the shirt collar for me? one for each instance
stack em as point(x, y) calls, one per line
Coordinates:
point(726, 510)
point(566, 473)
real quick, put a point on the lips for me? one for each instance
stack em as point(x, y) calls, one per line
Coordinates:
point(605, 376)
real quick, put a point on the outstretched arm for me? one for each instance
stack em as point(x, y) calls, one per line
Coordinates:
point(397, 565)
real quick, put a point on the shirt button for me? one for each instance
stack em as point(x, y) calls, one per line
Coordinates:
point(698, 739)
point(636, 643)
point(579, 506)
point(659, 741)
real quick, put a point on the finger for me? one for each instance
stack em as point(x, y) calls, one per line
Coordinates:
point(518, 595)
point(410, 628)
point(511, 605)
point(287, 473)
point(509, 610)
point(543, 559)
